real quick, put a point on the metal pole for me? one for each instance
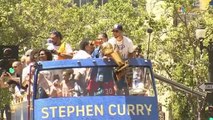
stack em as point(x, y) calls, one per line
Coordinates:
point(29, 93)
point(180, 86)
point(149, 30)
point(210, 78)
point(210, 55)
point(148, 46)
point(199, 106)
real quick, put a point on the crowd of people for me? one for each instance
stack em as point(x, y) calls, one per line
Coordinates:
point(77, 81)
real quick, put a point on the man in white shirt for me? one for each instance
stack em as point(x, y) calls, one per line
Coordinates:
point(61, 50)
point(124, 46)
point(121, 43)
point(82, 74)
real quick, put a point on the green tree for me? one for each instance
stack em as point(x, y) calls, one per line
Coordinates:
point(177, 55)
point(28, 23)
point(174, 49)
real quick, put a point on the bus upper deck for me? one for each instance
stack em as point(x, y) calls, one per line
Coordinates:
point(75, 103)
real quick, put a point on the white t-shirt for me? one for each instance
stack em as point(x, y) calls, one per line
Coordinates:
point(81, 54)
point(68, 49)
point(124, 47)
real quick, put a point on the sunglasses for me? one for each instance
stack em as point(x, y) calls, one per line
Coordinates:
point(15, 66)
point(91, 43)
point(42, 54)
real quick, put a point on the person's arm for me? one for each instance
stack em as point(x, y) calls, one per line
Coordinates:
point(131, 49)
point(88, 74)
point(68, 54)
point(2, 83)
point(10, 77)
point(57, 83)
point(28, 80)
point(130, 55)
point(54, 90)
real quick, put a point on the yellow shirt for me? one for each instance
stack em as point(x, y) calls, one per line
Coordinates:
point(62, 49)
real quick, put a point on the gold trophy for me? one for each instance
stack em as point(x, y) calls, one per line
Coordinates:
point(107, 49)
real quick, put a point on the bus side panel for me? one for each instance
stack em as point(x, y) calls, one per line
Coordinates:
point(97, 108)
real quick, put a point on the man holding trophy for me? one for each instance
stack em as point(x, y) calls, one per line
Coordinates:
point(121, 49)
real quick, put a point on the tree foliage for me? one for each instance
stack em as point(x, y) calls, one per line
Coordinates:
point(174, 49)
point(179, 54)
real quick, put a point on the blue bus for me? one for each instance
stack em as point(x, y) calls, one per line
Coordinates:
point(140, 104)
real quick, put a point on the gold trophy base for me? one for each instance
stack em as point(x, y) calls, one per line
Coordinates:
point(121, 71)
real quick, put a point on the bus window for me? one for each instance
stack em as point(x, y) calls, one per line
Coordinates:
point(94, 81)
point(141, 82)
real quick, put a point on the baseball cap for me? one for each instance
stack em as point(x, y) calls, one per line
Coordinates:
point(118, 27)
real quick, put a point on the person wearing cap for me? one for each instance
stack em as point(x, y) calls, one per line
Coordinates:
point(121, 43)
point(61, 50)
point(124, 46)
